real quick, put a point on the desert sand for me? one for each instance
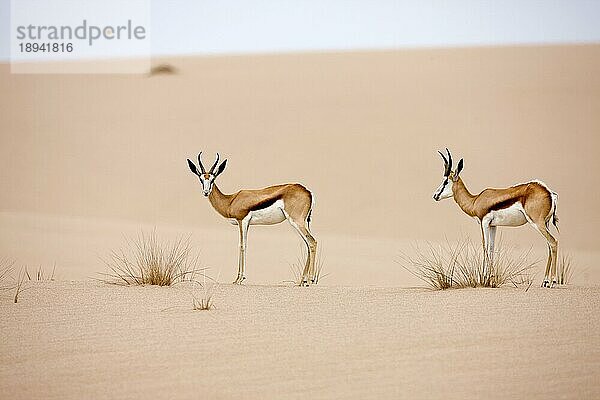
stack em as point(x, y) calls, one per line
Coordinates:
point(73, 340)
point(86, 160)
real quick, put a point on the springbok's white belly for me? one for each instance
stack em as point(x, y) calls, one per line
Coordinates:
point(511, 216)
point(268, 216)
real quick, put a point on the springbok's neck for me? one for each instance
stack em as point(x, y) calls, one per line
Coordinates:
point(462, 196)
point(220, 201)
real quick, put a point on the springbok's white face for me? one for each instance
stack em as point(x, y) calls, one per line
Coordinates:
point(207, 179)
point(444, 191)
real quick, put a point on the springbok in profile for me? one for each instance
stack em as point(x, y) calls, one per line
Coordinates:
point(531, 202)
point(267, 206)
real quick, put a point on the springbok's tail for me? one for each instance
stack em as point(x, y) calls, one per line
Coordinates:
point(312, 205)
point(554, 196)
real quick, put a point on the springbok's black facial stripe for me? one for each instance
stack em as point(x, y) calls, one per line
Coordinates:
point(443, 187)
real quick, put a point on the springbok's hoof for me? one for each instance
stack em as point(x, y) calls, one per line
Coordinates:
point(239, 280)
point(546, 283)
point(554, 284)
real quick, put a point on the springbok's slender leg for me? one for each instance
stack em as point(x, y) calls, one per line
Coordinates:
point(554, 262)
point(546, 282)
point(308, 275)
point(552, 253)
point(312, 253)
point(491, 243)
point(486, 239)
point(243, 224)
point(553, 246)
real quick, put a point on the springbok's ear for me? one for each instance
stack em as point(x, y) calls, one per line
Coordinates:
point(192, 166)
point(459, 168)
point(221, 168)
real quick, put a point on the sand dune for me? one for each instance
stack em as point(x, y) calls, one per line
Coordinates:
point(75, 340)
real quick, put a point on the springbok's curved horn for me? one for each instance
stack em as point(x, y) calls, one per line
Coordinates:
point(443, 158)
point(200, 163)
point(214, 165)
point(449, 166)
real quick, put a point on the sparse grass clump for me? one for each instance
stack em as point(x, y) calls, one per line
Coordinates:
point(40, 274)
point(19, 283)
point(21, 277)
point(461, 265)
point(146, 260)
point(202, 297)
point(6, 269)
point(564, 269)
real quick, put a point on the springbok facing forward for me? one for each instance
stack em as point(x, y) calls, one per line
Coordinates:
point(531, 202)
point(267, 206)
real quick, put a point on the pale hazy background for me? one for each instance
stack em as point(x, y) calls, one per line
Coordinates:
point(205, 27)
point(86, 159)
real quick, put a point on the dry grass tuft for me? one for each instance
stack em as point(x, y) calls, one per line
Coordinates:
point(202, 298)
point(461, 265)
point(40, 274)
point(564, 269)
point(6, 269)
point(146, 260)
point(23, 276)
point(19, 288)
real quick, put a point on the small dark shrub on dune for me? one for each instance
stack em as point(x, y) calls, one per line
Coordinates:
point(163, 69)
point(461, 265)
point(146, 260)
